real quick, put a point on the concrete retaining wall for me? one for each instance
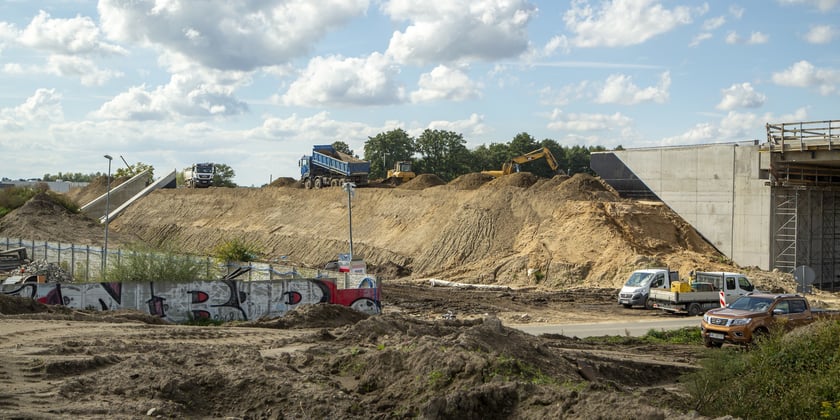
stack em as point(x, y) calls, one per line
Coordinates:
point(717, 188)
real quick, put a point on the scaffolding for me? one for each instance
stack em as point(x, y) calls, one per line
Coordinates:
point(805, 191)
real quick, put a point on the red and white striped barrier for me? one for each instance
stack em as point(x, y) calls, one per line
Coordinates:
point(722, 299)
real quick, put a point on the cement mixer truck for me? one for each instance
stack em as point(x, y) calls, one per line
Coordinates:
point(199, 175)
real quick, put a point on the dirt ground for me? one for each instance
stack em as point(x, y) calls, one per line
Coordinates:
point(556, 250)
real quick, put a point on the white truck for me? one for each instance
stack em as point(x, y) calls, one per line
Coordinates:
point(637, 288)
point(705, 292)
point(199, 175)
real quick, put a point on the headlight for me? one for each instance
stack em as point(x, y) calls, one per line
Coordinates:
point(741, 321)
point(707, 319)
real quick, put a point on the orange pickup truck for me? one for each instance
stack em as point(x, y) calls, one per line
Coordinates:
point(755, 314)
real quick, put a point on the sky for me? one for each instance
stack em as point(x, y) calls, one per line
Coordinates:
point(254, 84)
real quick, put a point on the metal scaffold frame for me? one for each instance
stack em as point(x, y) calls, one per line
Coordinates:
point(785, 232)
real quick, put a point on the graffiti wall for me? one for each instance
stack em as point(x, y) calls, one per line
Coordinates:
point(225, 300)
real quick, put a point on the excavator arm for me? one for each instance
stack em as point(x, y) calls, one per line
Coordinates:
point(510, 166)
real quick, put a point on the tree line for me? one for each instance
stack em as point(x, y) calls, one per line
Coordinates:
point(440, 152)
point(445, 154)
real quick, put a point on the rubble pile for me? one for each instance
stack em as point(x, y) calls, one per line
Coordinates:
point(52, 271)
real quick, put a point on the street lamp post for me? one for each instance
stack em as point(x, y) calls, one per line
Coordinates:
point(348, 186)
point(107, 218)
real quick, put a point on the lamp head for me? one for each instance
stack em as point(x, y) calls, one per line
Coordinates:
point(108, 157)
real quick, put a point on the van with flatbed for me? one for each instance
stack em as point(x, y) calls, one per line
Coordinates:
point(708, 291)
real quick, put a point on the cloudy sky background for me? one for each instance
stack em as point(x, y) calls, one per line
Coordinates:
point(255, 83)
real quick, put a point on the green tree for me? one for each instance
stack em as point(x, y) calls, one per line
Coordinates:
point(223, 176)
point(342, 147)
point(383, 149)
point(522, 143)
point(444, 154)
point(135, 169)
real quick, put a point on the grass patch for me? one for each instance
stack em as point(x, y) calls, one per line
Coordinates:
point(236, 250)
point(142, 264)
point(783, 376)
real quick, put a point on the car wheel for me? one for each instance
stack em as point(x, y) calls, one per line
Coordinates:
point(695, 309)
point(648, 303)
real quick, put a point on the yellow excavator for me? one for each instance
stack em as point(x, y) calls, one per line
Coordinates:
point(512, 165)
point(401, 173)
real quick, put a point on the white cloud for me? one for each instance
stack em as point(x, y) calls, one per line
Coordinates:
point(822, 5)
point(587, 122)
point(84, 69)
point(736, 11)
point(804, 74)
point(78, 35)
point(445, 83)
point(734, 126)
point(188, 94)
point(458, 30)
point(337, 80)
point(754, 39)
point(821, 34)
point(699, 38)
point(472, 126)
point(624, 22)
point(566, 94)
point(620, 89)
point(43, 106)
point(228, 35)
point(741, 96)
point(557, 42)
point(714, 23)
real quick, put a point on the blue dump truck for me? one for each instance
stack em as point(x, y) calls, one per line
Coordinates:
point(327, 167)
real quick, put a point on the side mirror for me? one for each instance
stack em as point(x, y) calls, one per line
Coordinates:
point(778, 312)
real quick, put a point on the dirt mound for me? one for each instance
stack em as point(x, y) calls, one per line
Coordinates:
point(44, 219)
point(422, 181)
point(16, 305)
point(286, 182)
point(313, 316)
point(470, 181)
point(518, 179)
point(586, 187)
point(379, 367)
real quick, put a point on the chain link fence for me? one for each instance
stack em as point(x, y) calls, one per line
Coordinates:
point(85, 263)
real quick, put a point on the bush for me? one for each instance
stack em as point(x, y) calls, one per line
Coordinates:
point(14, 197)
point(143, 265)
point(783, 376)
point(236, 250)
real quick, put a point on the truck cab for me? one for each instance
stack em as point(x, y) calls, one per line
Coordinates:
point(636, 289)
point(732, 284)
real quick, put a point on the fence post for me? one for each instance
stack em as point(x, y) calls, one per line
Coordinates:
point(73, 261)
point(87, 262)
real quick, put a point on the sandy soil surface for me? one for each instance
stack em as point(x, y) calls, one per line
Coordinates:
point(558, 249)
point(327, 361)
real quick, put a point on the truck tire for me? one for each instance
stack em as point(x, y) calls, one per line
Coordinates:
point(318, 183)
point(695, 309)
point(648, 303)
point(307, 183)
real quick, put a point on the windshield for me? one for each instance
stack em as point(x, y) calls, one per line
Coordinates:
point(638, 279)
point(204, 168)
point(752, 304)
